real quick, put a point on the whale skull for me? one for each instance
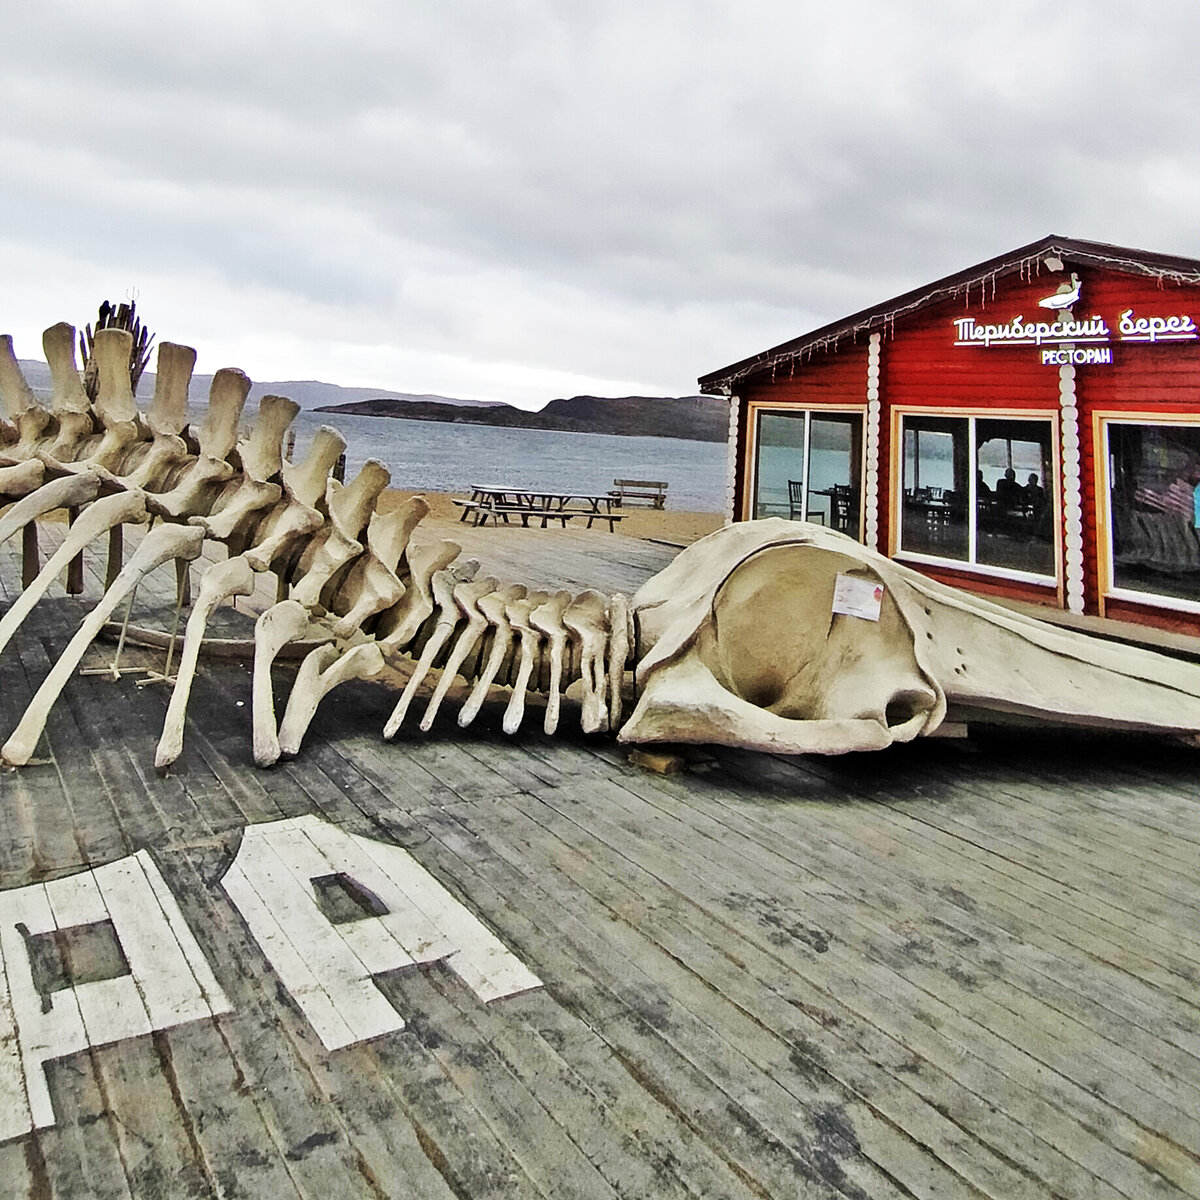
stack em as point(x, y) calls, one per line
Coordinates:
point(740, 644)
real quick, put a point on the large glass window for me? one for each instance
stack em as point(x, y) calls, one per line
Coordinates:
point(977, 490)
point(808, 467)
point(1154, 502)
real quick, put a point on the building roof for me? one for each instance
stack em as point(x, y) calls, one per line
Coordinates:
point(881, 317)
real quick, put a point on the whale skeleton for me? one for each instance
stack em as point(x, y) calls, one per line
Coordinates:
point(349, 576)
point(737, 642)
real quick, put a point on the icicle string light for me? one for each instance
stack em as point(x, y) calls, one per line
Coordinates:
point(883, 320)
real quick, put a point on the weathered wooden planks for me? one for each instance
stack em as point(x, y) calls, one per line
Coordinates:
point(944, 971)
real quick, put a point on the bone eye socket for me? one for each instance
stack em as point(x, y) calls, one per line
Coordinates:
point(903, 706)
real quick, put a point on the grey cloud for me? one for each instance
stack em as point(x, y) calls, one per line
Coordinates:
point(717, 173)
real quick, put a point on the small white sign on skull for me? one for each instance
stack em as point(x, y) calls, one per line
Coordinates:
point(855, 597)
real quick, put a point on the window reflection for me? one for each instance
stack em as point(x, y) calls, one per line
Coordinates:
point(1014, 518)
point(1154, 482)
point(809, 467)
point(976, 490)
point(936, 486)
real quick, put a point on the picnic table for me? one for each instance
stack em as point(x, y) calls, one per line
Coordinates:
point(501, 502)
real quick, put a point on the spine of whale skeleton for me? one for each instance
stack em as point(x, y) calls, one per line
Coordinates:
point(740, 640)
point(375, 595)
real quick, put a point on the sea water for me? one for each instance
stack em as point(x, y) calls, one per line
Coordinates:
point(440, 456)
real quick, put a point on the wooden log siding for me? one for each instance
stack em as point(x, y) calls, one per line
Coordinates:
point(920, 366)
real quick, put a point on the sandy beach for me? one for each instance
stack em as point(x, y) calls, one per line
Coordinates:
point(665, 525)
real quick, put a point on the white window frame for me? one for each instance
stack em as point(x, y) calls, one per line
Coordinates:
point(1102, 421)
point(968, 564)
point(757, 408)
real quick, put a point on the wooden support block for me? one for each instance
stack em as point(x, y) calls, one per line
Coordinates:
point(30, 558)
point(950, 729)
point(657, 761)
point(183, 581)
point(116, 555)
point(75, 569)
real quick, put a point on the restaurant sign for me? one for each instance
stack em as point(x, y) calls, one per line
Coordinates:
point(1071, 342)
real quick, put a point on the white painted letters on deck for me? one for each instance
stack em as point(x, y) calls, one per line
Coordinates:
point(328, 968)
point(169, 980)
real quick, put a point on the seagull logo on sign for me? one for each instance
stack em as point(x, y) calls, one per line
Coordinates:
point(329, 910)
point(1066, 296)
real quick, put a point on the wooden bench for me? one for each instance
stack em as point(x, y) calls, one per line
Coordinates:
point(651, 490)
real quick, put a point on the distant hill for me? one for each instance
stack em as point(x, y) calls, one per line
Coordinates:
point(308, 393)
point(312, 394)
point(698, 418)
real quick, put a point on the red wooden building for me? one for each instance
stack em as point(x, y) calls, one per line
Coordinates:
point(1028, 427)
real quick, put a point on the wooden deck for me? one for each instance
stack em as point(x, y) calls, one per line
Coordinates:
point(958, 969)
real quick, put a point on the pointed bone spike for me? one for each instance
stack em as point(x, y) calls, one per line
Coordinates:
point(70, 399)
point(241, 512)
point(620, 642)
point(517, 614)
point(226, 399)
point(14, 389)
point(320, 561)
point(280, 531)
point(443, 584)
point(22, 478)
point(306, 482)
point(548, 619)
point(169, 407)
point(222, 580)
point(369, 588)
point(115, 404)
point(195, 493)
point(492, 607)
point(587, 619)
point(280, 624)
point(158, 546)
point(70, 492)
point(389, 533)
point(262, 454)
point(362, 662)
point(466, 596)
point(350, 507)
point(96, 520)
point(399, 625)
point(69, 395)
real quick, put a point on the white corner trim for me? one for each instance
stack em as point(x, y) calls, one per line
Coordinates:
point(1072, 496)
point(870, 497)
point(731, 458)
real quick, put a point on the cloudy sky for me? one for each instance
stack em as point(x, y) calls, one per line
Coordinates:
point(523, 199)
